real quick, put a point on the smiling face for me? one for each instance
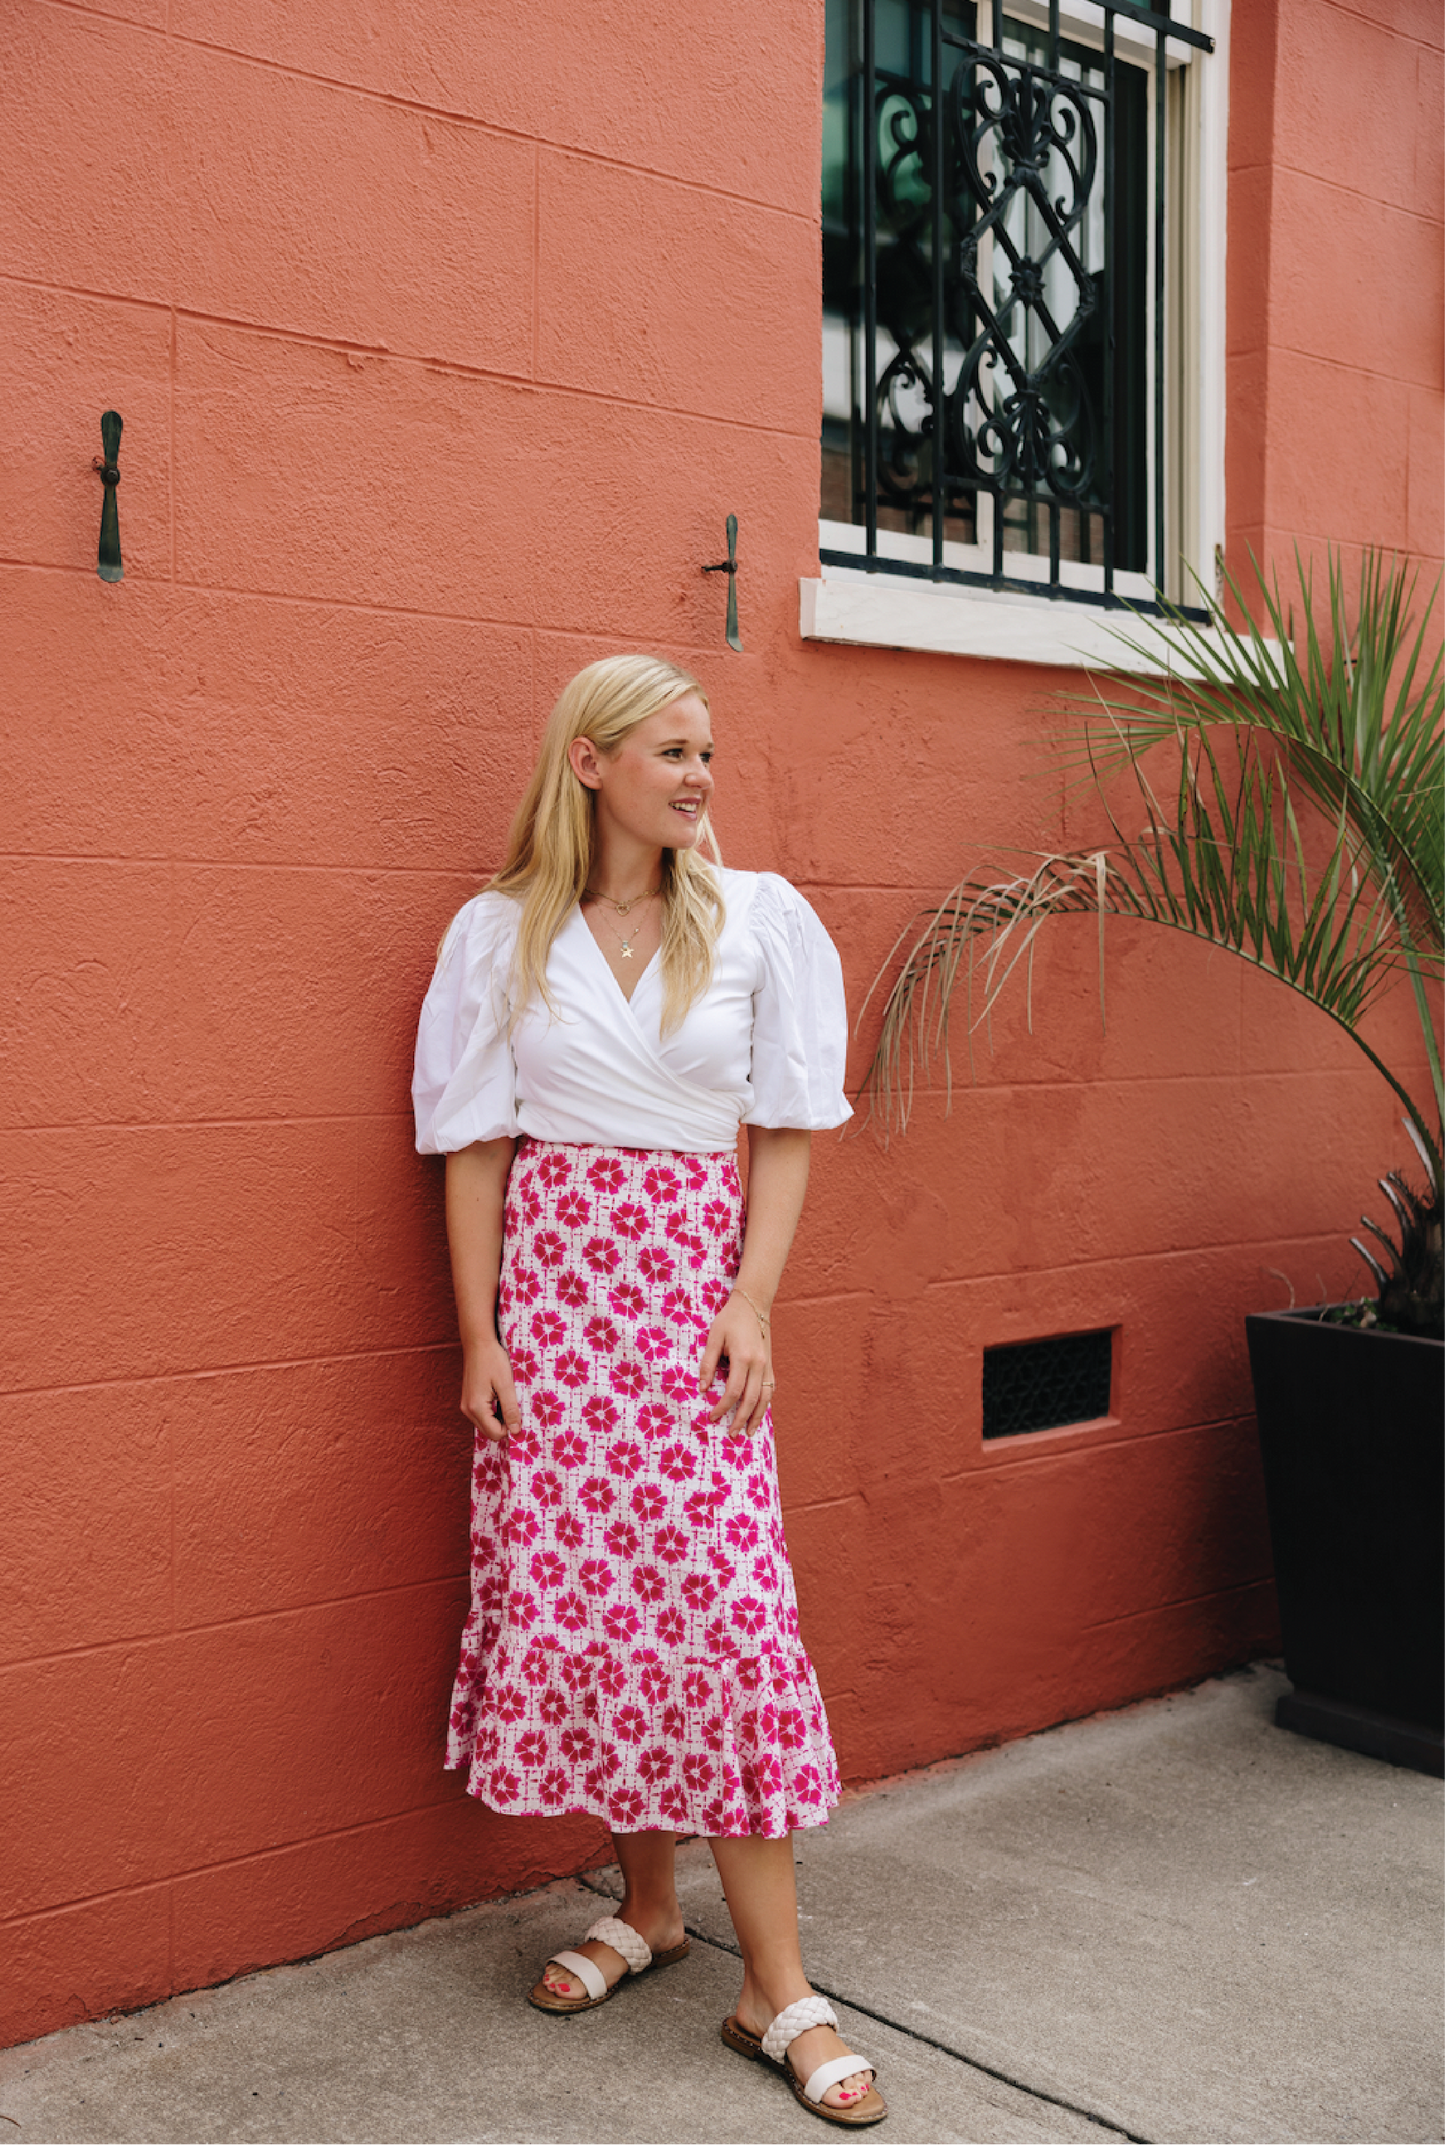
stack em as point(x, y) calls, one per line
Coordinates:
point(654, 789)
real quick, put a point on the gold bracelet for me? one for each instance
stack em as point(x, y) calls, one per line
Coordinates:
point(757, 1314)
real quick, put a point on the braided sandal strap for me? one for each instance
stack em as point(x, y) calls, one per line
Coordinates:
point(807, 2011)
point(624, 1939)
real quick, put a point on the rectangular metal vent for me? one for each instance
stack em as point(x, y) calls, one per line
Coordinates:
point(1042, 1385)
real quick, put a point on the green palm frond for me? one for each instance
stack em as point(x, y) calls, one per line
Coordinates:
point(1353, 719)
point(1303, 828)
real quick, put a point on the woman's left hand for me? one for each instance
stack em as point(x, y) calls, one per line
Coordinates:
point(736, 1335)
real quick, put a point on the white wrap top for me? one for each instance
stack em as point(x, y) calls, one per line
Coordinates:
point(765, 1045)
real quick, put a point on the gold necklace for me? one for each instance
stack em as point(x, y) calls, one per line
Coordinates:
point(622, 908)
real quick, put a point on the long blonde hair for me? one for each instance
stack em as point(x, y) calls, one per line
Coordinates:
point(552, 843)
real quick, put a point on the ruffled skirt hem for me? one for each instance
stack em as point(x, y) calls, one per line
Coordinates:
point(725, 1747)
point(770, 1824)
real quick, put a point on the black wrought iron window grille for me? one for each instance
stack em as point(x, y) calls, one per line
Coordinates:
point(996, 346)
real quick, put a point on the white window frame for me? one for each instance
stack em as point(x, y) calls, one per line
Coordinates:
point(884, 610)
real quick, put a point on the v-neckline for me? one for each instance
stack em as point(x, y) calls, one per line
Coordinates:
point(611, 973)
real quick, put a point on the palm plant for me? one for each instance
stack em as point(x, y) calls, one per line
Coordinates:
point(1300, 827)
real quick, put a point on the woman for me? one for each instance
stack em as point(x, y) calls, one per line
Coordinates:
point(601, 1020)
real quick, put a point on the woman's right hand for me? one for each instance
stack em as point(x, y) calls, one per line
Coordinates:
point(489, 1398)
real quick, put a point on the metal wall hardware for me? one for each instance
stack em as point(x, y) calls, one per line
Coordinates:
point(729, 566)
point(109, 566)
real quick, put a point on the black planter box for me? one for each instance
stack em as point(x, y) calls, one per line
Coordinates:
point(1352, 1435)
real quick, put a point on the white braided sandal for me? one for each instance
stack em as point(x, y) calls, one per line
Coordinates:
point(634, 1951)
point(772, 2050)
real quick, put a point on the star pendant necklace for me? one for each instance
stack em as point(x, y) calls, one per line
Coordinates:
point(622, 908)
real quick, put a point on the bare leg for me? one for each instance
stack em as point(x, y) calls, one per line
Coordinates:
point(649, 1905)
point(762, 1895)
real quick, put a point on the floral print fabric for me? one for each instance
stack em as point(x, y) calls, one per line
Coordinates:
point(632, 1649)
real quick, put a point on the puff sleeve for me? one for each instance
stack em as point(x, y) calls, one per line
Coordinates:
point(464, 1087)
point(800, 1016)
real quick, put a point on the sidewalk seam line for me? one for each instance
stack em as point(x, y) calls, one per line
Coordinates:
point(880, 2018)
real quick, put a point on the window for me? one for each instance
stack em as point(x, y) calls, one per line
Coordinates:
point(1017, 395)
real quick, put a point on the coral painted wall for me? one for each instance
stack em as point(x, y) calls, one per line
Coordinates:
point(445, 335)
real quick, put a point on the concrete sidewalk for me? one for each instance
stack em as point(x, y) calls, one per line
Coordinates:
point(1177, 1922)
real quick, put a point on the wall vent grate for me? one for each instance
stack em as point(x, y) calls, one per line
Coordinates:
point(1044, 1385)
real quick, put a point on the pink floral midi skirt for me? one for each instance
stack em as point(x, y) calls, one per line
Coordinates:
point(632, 1649)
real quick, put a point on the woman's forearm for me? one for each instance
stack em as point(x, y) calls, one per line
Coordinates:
point(740, 1334)
point(476, 1190)
point(777, 1183)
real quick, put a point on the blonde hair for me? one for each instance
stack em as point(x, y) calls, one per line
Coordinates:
point(552, 844)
